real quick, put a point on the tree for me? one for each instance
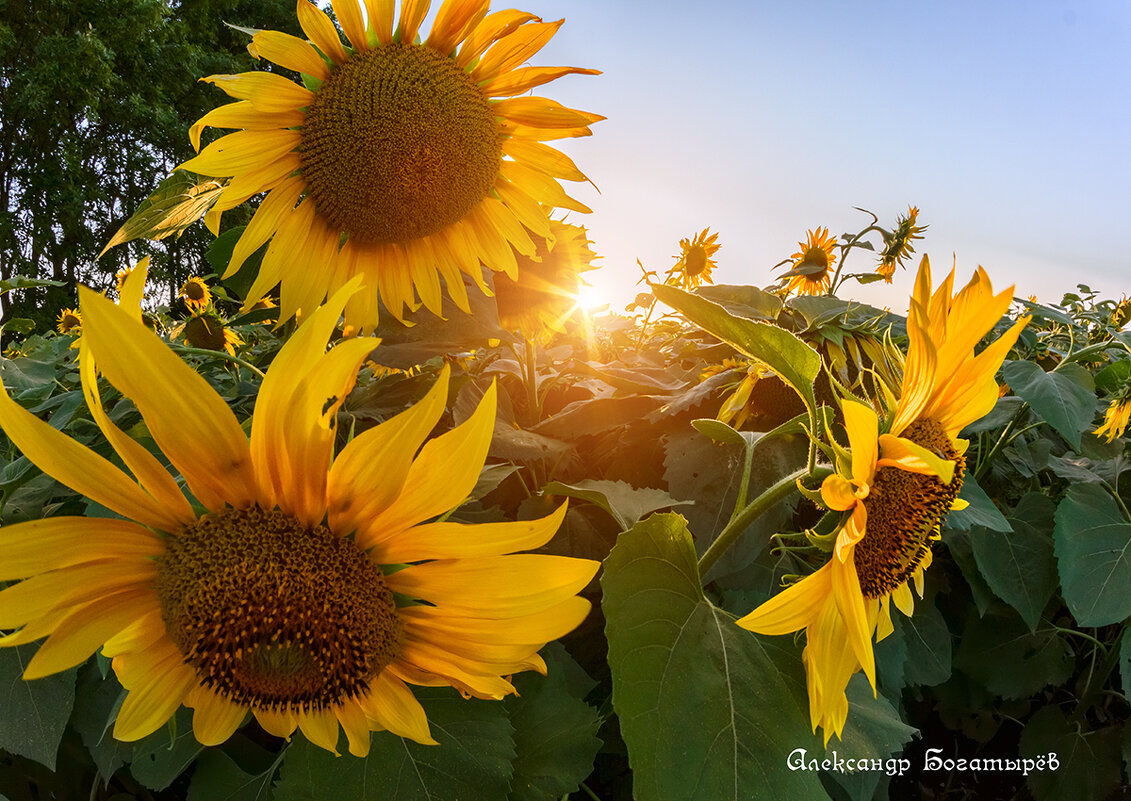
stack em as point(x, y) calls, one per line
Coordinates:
point(96, 97)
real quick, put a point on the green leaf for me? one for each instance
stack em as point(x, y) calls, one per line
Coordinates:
point(1125, 663)
point(743, 301)
point(1088, 762)
point(167, 753)
point(705, 712)
point(33, 714)
point(178, 202)
point(1019, 566)
point(794, 361)
point(1093, 552)
point(555, 732)
point(624, 502)
point(981, 512)
point(999, 652)
point(874, 731)
point(216, 777)
point(1065, 398)
point(21, 282)
point(928, 646)
point(97, 700)
point(473, 761)
point(1112, 377)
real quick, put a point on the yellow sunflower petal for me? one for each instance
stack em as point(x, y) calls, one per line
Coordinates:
point(452, 22)
point(794, 608)
point(542, 112)
point(290, 52)
point(277, 722)
point(540, 627)
point(243, 114)
point(524, 207)
point(863, 429)
point(907, 455)
point(850, 601)
point(540, 186)
point(412, 14)
point(491, 29)
point(355, 725)
point(81, 632)
point(320, 727)
point(191, 424)
point(521, 80)
point(276, 207)
point(838, 493)
point(348, 13)
point(38, 595)
point(393, 706)
point(513, 49)
point(321, 31)
point(380, 20)
point(266, 90)
point(441, 476)
point(150, 704)
point(543, 157)
point(368, 474)
point(54, 543)
point(495, 586)
point(457, 540)
point(903, 599)
point(214, 718)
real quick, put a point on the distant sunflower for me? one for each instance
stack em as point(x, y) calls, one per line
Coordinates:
point(196, 294)
point(398, 161)
point(206, 330)
point(68, 321)
point(896, 485)
point(812, 269)
point(275, 599)
point(898, 244)
point(696, 260)
point(1117, 416)
point(544, 293)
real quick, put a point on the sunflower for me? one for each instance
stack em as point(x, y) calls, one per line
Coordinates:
point(896, 485)
point(302, 587)
point(898, 243)
point(69, 320)
point(397, 160)
point(1118, 414)
point(544, 293)
point(695, 260)
point(196, 294)
point(206, 330)
point(812, 268)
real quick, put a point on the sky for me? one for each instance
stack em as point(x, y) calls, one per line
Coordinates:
point(1007, 123)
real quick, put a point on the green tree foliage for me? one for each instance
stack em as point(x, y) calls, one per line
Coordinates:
point(96, 97)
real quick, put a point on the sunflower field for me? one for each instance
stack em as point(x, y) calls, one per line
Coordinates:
point(377, 509)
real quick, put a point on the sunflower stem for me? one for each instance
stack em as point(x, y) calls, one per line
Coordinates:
point(219, 354)
point(755, 509)
point(534, 407)
point(1097, 679)
point(589, 792)
point(1002, 441)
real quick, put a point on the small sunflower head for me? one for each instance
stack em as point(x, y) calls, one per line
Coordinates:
point(69, 320)
point(195, 294)
point(1118, 414)
point(898, 243)
point(696, 260)
point(1122, 314)
point(544, 293)
point(812, 266)
point(208, 331)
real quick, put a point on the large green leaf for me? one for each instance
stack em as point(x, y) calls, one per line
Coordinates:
point(33, 714)
point(473, 761)
point(794, 361)
point(1019, 566)
point(981, 512)
point(704, 711)
point(625, 503)
point(167, 753)
point(928, 646)
point(178, 202)
point(1093, 552)
point(216, 777)
point(1065, 398)
point(1087, 762)
point(555, 732)
point(999, 652)
point(743, 301)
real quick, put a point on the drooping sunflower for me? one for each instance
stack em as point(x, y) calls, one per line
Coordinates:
point(1118, 414)
point(68, 320)
point(896, 485)
point(196, 294)
point(812, 269)
point(397, 160)
point(269, 592)
point(206, 330)
point(898, 244)
point(545, 292)
point(696, 260)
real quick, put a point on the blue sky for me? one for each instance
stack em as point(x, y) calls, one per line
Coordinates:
point(1007, 123)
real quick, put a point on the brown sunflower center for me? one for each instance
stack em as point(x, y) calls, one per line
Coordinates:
point(69, 320)
point(695, 261)
point(816, 257)
point(194, 291)
point(398, 144)
point(203, 331)
point(277, 614)
point(904, 510)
